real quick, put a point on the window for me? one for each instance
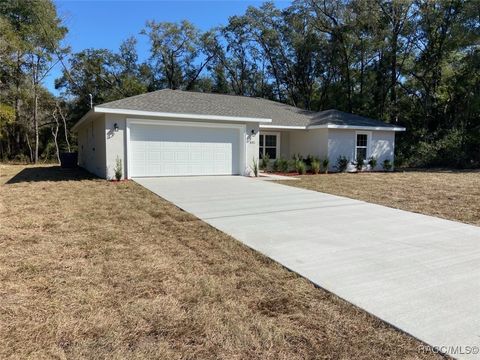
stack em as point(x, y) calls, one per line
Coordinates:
point(361, 146)
point(269, 144)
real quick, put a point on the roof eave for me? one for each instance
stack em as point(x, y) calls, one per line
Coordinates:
point(333, 126)
point(82, 120)
point(180, 115)
point(357, 127)
point(285, 127)
point(104, 110)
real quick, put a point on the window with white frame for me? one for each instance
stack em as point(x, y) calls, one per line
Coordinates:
point(361, 146)
point(269, 144)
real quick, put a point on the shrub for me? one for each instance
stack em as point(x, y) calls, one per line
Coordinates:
point(297, 157)
point(325, 163)
point(435, 149)
point(292, 165)
point(387, 165)
point(342, 163)
point(118, 169)
point(283, 165)
point(255, 167)
point(372, 162)
point(264, 162)
point(360, 163)
point(301, 167)
point(21, 158)
point(310, 159)
point(276, 165)
point(315, 165)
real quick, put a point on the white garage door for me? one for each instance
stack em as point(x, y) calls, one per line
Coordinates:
point(173, 150)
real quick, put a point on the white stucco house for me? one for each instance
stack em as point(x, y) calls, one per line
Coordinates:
point(181, 133)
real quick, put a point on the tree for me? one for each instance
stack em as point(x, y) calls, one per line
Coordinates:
point(234, 59)
point(34, 32)
point(104, 75)
point(175, 53)
point(7, 117)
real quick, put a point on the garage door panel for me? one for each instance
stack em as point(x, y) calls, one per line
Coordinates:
point(167, 155)
point(182, 155)
point(196, 156)
point(170, 150)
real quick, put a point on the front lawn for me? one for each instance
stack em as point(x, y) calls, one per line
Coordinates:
point(453, 195)
point(94, 269)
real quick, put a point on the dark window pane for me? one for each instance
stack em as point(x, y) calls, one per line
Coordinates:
point(362, 152)
point(361, 140)
point(270, 140)
point(261, 140)
point(272, 152)
point(260, 153)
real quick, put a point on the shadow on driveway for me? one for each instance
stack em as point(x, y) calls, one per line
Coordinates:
point(51, 173)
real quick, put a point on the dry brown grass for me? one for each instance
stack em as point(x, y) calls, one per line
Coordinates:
point(453, 195)
point(94, 269)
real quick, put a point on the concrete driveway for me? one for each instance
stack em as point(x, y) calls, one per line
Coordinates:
point(418, 273)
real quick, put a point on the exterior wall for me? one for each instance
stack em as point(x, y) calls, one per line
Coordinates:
point(252, 147)
point(91, 146)
point(308, 142)
point(116, 142)
point(341, 142)
point(285, 145)
point(383, 146)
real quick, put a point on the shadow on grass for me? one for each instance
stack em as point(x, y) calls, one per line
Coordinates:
point(51, 173)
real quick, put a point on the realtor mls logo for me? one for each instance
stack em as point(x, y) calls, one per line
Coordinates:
point(451, 350)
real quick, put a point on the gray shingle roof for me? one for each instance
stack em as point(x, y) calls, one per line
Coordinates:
point(185, 102)
point(336, 117)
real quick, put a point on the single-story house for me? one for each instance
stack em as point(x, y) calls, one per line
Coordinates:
point(181, 133)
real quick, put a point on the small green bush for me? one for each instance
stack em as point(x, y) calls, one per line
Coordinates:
point(325, 163)
point(21, 158)
point(315, 165)
point(372, 162)
point(310, 159)
point(301, 167)
point(387, 165)
point(297, 157)
point(264, 162)
point(282, 165)
point(342, 163)
point(255, 167)
point(360, 163)
point(292, 165)
point(276, 165)
point(118, 169)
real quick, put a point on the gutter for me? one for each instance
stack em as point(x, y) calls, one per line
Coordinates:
point(167, 115)
point(332, 126)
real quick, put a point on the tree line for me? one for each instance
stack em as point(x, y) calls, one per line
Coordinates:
point(415, 63)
